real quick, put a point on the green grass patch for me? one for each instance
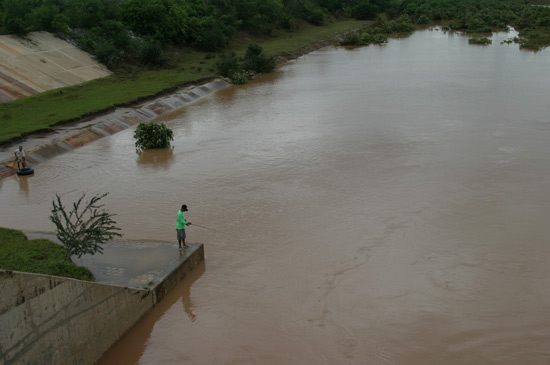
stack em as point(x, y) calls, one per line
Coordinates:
point(39, 256)
point(40, 112)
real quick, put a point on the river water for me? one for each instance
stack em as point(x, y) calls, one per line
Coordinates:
point(382, 205)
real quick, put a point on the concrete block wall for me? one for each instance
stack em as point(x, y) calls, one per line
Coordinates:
point(53, 320)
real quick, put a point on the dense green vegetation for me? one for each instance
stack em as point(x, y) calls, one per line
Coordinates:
point(153, 135)
point(85, 227)
point(468, 16)
point(37, 256)
point(138, 31)
point(255, 61)
point(485, 16)
point(378, 33)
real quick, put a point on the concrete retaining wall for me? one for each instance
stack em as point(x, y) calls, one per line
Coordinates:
point(53, 320)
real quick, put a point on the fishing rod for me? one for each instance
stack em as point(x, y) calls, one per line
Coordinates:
point(211, 229)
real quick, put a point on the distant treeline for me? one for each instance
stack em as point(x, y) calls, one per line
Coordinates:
point(139, 30)
point(114, 30)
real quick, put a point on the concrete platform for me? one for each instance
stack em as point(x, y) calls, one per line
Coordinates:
point(133, 264)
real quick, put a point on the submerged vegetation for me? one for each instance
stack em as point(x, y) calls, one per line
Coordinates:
point(481, 41)
point(378, 33)
point(486, 16)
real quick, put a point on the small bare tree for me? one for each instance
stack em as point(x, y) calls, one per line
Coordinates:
point(84, 229)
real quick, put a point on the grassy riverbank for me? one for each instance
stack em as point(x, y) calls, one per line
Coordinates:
point(40, 112)
point(39, 256)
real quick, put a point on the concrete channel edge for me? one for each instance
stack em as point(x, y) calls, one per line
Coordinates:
point(56, 320)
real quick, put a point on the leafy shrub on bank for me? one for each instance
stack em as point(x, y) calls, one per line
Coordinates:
point(39, 256)
point(151, 52)
point(378, 33)
point(153, 135)
point(256, 60)
point(228, 65)
point(239, 71)
point(84, 228)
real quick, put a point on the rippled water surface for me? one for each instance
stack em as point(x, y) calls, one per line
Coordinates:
point(383, 205)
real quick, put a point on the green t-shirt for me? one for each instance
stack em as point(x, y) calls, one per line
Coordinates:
point(181, 223)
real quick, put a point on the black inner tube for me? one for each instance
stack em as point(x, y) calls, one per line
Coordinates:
point(25, 171)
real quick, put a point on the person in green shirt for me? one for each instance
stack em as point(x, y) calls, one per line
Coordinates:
point(180, 226)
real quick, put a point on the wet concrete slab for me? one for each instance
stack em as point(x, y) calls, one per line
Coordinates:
point(131, 263)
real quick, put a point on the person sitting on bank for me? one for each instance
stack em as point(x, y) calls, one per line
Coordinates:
point(180, 226)
point(20, 158)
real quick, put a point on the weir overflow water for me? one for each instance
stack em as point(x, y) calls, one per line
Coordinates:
point(382, 205)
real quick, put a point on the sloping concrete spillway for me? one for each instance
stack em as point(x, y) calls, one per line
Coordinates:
point(71, 137)
point(40, 62)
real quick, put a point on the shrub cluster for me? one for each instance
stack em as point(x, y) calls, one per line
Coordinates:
point(153, 135)
point(379, 32)
point(485, 16)
point(239, 70)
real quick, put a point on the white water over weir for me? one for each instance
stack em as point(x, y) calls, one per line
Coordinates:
point(105, 125)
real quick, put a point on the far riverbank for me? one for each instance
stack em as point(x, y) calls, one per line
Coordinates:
point(40, 113)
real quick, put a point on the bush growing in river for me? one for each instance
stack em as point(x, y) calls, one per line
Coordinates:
point(480, 41)
point(153, 135)
point(533, 40)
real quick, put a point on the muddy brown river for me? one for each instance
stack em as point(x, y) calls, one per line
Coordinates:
point(382, 205)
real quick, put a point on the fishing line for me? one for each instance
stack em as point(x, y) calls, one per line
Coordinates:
point(211, 229)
